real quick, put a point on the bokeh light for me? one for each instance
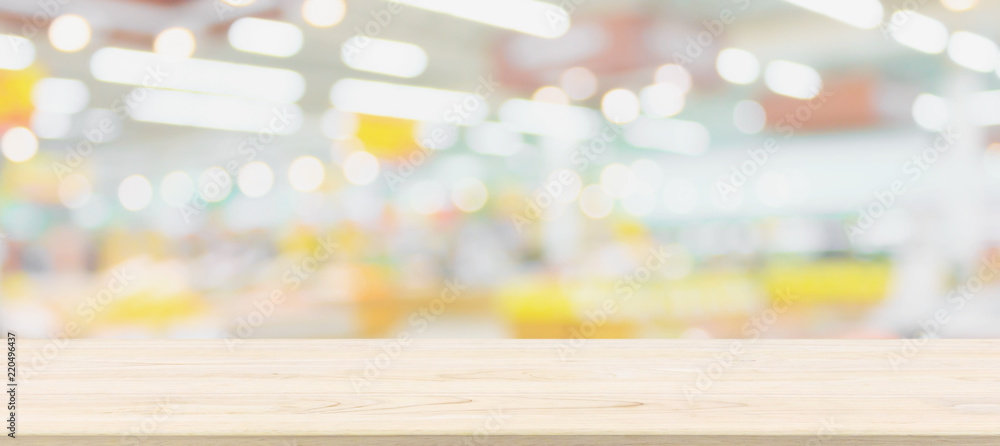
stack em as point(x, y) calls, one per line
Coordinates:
point(337, 124)
point(135, 192)
point(175, 42)
point(19, 144)
point(427, 197)
point(959, 5)
point(69, 33)
point(306, 173)
point(323, 13)
point(848, 152)
point(74, 191)
point(793, 79)
point(930, 112)
point(617, 181)
point(662, 100)
point(579, 83)
point(749, 117)
point(58, 95)
point(469, 194)
point(361, 168)
point(737, 66)
point(675, 75)
point(255, 179)
point(595, 202)
point(551, 95)
point(215, 184)
point(620, 106)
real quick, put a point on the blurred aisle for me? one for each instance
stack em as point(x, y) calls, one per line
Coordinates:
point(490, 169)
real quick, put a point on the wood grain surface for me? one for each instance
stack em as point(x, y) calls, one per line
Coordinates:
point(664, 392)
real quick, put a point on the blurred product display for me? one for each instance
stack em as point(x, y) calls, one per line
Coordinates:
point(499, 168)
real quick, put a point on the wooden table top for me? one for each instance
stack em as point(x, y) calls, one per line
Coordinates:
point(298, 392)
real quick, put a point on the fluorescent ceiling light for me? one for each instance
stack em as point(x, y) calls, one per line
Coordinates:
point(60, 95)
point(792, 79)
point(385, 57)
point(930, 112)
point(672, 135)
point(737, 66)
point(973, 51)
point(919, 32)
point(865, 14)
point(662, 100)
point(493, 138)
point(408, 102)
point(217, 112)
point(526, 16)
point(542, 118)
point(51, 125)
point(268, 37)
point(959, 5)
point(16, 53)
point(198, 75)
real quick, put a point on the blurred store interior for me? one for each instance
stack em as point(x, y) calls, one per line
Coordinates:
point(499, 168)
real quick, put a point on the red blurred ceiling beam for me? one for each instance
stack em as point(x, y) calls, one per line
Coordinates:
point(847, 102)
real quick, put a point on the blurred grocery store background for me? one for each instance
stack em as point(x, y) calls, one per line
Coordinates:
point(499, 168)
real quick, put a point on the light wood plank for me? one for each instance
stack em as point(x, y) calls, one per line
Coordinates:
point(511, 392)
